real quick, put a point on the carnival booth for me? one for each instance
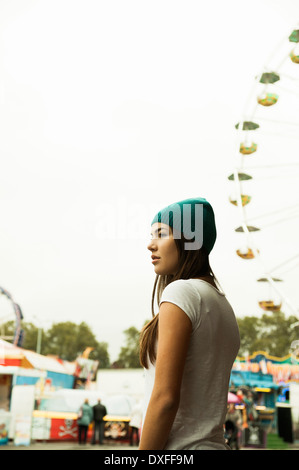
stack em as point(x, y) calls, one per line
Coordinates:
point(19, 366)
point(259, 380)
point(40, 397)
point(25, 376)
point(55, 415)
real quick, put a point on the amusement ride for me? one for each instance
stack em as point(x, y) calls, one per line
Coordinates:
point(11, 311)
point(265, 177)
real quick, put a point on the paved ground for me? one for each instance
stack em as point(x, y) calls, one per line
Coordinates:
point(61, 445)
point(67, 446)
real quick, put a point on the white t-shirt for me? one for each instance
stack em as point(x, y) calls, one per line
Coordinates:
point(213, 347)
point(136, 416)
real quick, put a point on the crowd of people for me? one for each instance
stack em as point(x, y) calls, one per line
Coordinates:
point(238, 417)
point(87, 415)
point(95, 414)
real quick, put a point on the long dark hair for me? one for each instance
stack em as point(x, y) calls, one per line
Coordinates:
point(192, 264)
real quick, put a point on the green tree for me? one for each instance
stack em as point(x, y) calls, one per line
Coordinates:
point(276, 333)
point(30, 334)
point(129, 354)
point(7, 331)
point(100, 353)
point(249, 335)
point(271, 333)
point(68, 340)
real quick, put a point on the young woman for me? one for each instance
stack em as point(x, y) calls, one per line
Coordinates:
point(189, 347)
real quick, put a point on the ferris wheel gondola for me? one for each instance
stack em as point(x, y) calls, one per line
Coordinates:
point(257, 132)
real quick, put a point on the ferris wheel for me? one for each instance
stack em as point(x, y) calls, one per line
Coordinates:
point(10, 310)
point(265, 179)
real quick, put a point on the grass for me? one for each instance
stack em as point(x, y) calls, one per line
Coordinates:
point(276, 442)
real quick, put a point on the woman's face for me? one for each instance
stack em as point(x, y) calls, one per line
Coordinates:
point(165, 255)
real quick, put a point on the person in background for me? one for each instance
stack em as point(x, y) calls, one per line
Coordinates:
point(85, 417)
point(252, 414)
point(233, 424)
point(99, 412)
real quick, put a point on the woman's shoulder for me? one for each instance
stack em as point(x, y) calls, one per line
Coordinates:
point(197, 286)
point(184, 284)
point(182, 293)
point(180, 286)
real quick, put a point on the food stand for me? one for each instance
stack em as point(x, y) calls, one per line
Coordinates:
point(55, 415)
point(259, 379)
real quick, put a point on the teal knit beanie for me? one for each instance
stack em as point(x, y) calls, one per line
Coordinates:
point(194, 218)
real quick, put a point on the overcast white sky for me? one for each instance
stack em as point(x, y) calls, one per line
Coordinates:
point(111, 110)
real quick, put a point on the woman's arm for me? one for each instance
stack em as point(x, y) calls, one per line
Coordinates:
point(173, 340)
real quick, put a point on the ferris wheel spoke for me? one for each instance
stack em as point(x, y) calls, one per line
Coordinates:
point(277, 176)
point(287, 90)
point(291, 268)
point(290, 134)
point(278, 165)
point(276, 121)
point(289, 260)
point(267, 214)
point(278, 221)
point(290, 77)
